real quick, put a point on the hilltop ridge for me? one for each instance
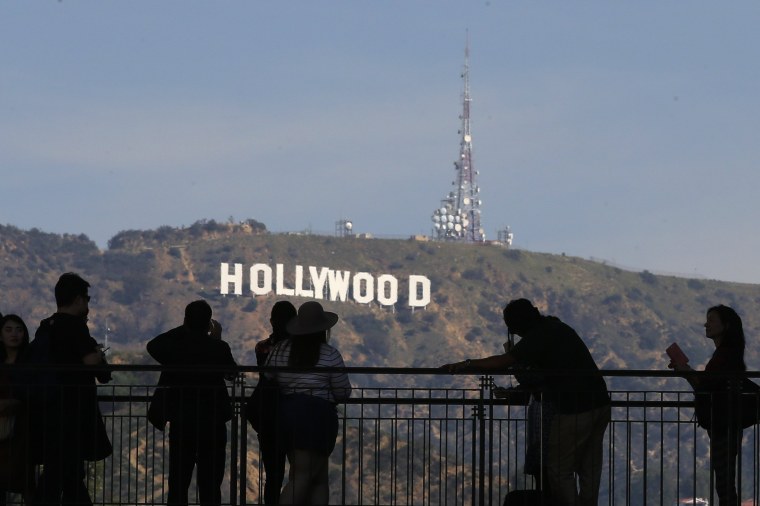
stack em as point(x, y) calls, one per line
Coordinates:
point(142, 282)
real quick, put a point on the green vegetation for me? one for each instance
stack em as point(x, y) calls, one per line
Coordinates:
point(143, 281)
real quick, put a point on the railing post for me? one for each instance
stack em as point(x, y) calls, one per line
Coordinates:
point(736, 393)
point(490, 385)
point(475, 454)
point(243, 450)
point(237, 386)
point(479, 413)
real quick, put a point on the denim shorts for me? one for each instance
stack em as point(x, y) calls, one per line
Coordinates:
point(309, 423)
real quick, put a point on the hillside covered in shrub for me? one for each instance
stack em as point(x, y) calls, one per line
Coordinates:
point(142, 282)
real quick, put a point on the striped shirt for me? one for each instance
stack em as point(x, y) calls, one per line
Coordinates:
point(331, 386)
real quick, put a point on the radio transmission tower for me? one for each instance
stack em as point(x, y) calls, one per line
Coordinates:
point(458, 216)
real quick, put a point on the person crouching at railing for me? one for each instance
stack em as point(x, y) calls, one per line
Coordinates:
point(717, 409)
point(576, 435)
point(309, 420)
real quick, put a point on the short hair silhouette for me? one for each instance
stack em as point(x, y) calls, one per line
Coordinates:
point(282, 312)
point(519, 315)
point(70, 286)
point(198, 315)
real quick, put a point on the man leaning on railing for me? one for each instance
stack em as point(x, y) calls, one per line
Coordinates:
point(575, 446)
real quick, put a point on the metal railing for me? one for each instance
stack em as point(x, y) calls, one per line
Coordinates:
point(443, 440)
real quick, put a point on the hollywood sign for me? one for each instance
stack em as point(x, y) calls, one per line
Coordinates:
point(324, 283)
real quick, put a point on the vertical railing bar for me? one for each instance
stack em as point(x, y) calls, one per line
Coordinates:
point(234, 436)
point(473, 457)
point(611, 453)
point(482, 443)
point(377, 440)
point(489, 427)
point(152, 435)
point(129, 449)
point(756, 463)
point(409, 464)
point(628, 484)
point(344, 453)
point(662, 450)
point(694, 465)
point(678, 448)
point(130, 414)
point(736, 388)
point(360, 463)
point(428, 453)
point(394, 453)
point(645, 435)
point(445, 451)
point(243, 447)
point(443, 455)
point(712, 481)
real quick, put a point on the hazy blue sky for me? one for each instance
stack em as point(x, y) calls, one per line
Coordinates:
point(626, 131)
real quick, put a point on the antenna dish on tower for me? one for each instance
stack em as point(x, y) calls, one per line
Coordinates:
point(344, 228)
point(460, 210)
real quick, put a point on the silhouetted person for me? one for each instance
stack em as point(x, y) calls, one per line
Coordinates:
point(582, 403)
point(724, 327)
point(273, 450)
point(309, 417)
point(17, 469)
point(67, 404)
point(198, 404)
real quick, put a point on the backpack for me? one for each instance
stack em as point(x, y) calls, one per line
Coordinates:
point(37, 353)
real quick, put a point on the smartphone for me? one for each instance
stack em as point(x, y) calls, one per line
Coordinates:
point(676, 354)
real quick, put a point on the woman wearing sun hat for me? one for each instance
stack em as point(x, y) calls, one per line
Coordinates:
point(307, 410)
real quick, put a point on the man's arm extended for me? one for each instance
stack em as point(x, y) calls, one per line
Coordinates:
point(492, 363)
